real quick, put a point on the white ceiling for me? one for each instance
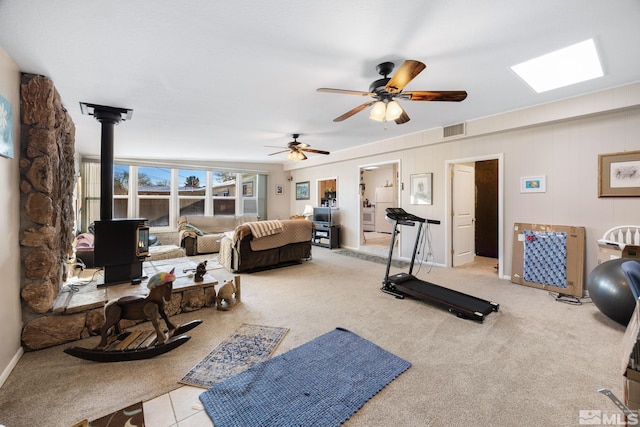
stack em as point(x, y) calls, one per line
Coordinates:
point(213, 80)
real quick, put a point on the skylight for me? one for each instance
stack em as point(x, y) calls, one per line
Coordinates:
point(564, 67)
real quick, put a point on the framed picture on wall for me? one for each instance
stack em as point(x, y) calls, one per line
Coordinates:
point(421, 189)
point(533, 184)
point(279, 189)
point(6, 129)
point(619, 174)
point(302, 190)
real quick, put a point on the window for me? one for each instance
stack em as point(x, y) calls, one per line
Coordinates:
point(163, 194)
point(154, 195)
point(223, 190)
point(249, 193)
point(120, 191)
point(192, 186)
point(90, 207)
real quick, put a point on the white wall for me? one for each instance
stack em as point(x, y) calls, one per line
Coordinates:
point(560, 140)
point(10, 312)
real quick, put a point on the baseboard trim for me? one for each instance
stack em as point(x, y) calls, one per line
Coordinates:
point(12, 364)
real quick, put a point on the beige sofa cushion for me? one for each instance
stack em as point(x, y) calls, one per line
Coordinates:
point(216, 223)
point(209, 243)
point(208, 230)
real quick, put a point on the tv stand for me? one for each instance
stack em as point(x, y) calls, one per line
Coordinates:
point(327, 236)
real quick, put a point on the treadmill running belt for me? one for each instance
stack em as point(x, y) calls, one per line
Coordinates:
point(461, 303)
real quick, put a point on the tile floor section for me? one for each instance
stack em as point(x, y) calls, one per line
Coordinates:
point(178, 408)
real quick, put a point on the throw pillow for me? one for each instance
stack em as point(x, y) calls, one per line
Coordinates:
point(189, 227)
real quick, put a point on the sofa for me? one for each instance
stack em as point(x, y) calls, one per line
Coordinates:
point(266, 244)
point(201, 234)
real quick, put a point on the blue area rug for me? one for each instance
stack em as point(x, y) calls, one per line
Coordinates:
point(248, 345)
point(320, 383)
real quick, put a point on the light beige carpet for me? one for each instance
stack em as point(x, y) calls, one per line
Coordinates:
point(535, 362)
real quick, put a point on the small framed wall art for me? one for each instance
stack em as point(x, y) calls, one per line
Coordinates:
point(302, 190)
point(619, 174)
point(6, 129)
point(533, 184)
point(279, 189)
point(421, 189)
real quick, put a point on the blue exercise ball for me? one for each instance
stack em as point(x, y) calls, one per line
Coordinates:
point(610, 292)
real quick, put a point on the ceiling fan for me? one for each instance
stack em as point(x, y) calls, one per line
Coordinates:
point(296, 149)
point(386, 90)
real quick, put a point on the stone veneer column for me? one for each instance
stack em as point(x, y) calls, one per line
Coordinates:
point(47, 172)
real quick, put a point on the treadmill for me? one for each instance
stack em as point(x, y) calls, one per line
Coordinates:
point(405, 284)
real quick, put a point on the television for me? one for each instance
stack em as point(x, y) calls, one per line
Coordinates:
point(322, 215)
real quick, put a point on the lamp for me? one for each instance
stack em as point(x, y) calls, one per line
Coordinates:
point(308, 211)
point(296, 155)
point(385, 111)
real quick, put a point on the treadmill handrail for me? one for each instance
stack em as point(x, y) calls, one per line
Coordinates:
point(409, 223)
point(399, 214)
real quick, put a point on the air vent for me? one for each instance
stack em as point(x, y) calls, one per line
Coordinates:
point(453, 130)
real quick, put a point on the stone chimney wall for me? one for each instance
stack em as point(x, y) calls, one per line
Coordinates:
point(47, 179)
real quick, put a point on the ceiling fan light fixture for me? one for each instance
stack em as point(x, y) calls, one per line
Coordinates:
point(296, 155)
point(385, 90)
point(378, 111)
point(394, 110)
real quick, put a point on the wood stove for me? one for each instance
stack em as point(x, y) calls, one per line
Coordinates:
point(121, 246)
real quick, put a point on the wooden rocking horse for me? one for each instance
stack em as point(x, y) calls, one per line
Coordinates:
point(139, 344)
point(151, 307)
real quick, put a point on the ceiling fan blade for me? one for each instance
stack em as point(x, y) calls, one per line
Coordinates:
point(438, 95)
point(278, 152)
point(311, 150)
point(345, 91)
point(353, 111)
point(404, 118)
point(407, 72)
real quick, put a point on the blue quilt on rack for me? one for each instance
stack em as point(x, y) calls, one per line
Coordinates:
point(545, 258)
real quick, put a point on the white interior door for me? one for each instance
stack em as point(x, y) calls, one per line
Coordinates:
point(463, 214)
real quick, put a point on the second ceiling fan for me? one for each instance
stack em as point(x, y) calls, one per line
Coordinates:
point(386, 90)
point(296, 149)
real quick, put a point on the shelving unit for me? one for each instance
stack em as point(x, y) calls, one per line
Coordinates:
point(326, 236)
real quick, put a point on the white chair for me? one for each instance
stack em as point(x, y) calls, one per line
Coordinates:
point(622, 235)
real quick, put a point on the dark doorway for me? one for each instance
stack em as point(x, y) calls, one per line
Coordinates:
point(486, 180)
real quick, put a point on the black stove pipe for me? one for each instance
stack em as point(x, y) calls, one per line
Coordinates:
point(108, 119)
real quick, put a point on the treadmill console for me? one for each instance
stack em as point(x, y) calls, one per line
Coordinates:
point(404, 217)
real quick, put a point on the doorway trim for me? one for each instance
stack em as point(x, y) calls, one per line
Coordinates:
point(448, 165)
point(396, 180)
